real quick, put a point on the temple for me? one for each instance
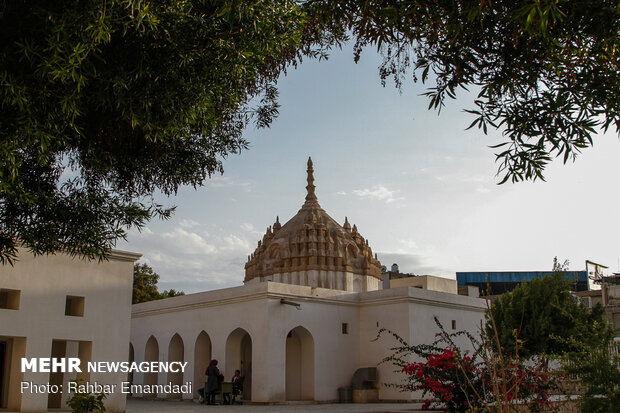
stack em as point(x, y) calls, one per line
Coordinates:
point(312, 249)
point(304, 323)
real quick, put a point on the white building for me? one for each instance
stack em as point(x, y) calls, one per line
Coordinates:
point(304, 322)
point(59, 306)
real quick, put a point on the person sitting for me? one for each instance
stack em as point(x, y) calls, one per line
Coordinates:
point(237, 384)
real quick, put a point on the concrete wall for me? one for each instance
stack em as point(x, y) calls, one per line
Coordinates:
point(40, 328)
point(426, 282)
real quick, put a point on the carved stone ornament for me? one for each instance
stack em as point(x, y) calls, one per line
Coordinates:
point(311, 240)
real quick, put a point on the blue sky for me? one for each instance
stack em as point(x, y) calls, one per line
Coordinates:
point(420, 188)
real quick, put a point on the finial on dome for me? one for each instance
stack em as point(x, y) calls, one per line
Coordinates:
point(276, 225)
point(346, 226)
point(310, 197)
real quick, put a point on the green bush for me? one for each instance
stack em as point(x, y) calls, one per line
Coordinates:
point(86, 402)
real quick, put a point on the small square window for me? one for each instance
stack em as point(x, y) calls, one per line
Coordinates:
point(345, 328)
point(9, 299)
point(74, 306)
point(453, 324)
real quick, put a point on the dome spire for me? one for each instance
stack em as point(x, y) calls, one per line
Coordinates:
point(311, 198)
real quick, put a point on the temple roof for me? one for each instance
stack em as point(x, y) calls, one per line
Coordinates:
point(312, 240)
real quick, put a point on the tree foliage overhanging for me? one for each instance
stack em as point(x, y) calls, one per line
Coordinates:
point(104, 104)
point(547, 71)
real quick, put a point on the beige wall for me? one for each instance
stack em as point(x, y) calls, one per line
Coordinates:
point(426, 282)
point(101, 333)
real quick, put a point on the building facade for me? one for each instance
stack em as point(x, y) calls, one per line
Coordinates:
point(303, 324)
point(61, 307)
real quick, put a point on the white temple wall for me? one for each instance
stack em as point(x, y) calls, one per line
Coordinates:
point(410, 312)
point(393, 315)
point(339, 326)
point(268, 322)
point(217, 321)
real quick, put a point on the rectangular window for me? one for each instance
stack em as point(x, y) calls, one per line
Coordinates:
point(9, 299)
point(453, 324)
point(345, 328)
point(74, 306)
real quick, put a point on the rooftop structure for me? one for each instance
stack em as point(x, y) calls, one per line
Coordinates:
point(499, 282)
point(312, 249)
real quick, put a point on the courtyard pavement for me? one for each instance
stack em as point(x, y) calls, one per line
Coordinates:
point(145, 406)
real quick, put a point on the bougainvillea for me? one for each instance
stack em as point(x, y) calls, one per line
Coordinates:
point(478, 380)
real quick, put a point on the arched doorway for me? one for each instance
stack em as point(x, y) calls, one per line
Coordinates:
point(239, 356)
point(299, 365)
point(151, 353)
point(202, 357)
point(176, 353)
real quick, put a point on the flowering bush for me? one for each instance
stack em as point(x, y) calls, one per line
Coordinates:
point(446, 377)
point(480, 381)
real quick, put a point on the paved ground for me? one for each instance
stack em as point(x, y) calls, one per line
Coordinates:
point(142, 406)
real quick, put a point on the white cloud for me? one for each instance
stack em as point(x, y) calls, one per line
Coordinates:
point(251, 229)
point(188, 223)
point(379, 193)
point(223, 181)
point(409, 244)
point(182, 240)
point(196, 262)
point(341, 193)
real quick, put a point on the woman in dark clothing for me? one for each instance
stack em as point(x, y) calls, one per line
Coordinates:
point(212, 382)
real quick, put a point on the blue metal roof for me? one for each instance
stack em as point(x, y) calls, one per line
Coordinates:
point(463, 278)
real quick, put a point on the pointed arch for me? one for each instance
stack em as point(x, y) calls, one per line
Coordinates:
point(299, 364)
point(176, 353)
point(239, 356)
point(151, 353)
point(352, 250)
point(202, 357)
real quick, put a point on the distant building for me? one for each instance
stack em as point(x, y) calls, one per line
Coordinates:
point(608, 296)
point(499, 282)
point(395, 279)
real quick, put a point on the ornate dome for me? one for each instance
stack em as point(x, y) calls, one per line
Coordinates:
point(312, 240)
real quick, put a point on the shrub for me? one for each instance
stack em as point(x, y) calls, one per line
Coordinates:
point(86, 402)
point(463, 382)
